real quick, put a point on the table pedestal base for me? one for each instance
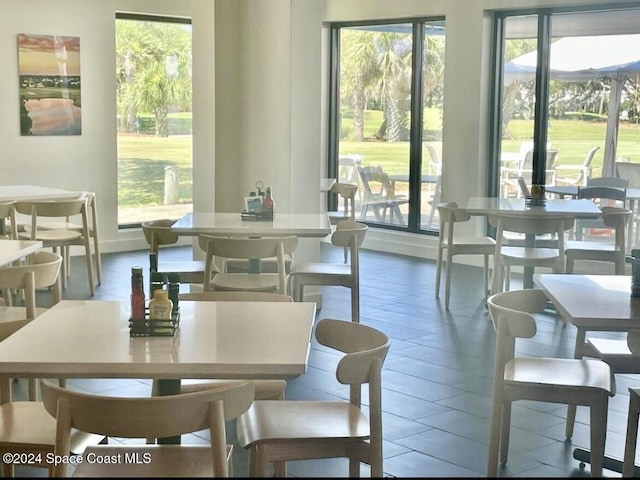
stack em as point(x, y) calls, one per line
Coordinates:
point(609, 463)
point(169, 387)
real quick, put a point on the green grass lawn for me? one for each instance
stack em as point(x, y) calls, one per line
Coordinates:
point(142, 159)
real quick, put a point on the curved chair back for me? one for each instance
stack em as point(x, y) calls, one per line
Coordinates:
point(145, 417)
point(231, 296)
point(42, 271)
point(158, 232)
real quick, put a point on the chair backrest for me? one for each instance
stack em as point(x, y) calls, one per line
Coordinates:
point(449, 213)
point(629, 171)
point(347, 169)
point(511, 314)
point(232, 296)
point(608, 182)
point(147, 417)
point(527, 162)
point(347, 192)
point(42, 271)
point(436, 162)
point(524, 189)
point(54, 209)
point(530, 224)
point(604, 195)
point(373, 182)
point(7, 211)
point(589, 157)
point(366, 349)
point(350, 234)
point(158, 232)
point(247, 249)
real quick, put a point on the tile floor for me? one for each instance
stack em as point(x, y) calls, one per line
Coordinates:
point(437, 377)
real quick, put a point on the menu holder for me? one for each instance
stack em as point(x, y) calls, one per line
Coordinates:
point(534, 202)
point(256, 216)
point(154, 327)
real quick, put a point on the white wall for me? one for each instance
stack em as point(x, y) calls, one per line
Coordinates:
point(260, 73)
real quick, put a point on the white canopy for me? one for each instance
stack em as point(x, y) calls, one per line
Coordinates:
point(575, 59)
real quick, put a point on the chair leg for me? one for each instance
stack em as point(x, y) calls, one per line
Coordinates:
point(87, 251)
point(447, 280)
point(494, 438)
point(569, 263)
point(98, 260)
point(505, 432)
point(598, 419)
point(628, 467)
point(438, 271)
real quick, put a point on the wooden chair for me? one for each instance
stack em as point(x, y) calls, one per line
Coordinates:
point(279, 431)
point(609, 194)
point(144, 417)
point(254, 249)
point(26, 426)
point(158, 233)
point(347, 192)
point(628, 467)
point(616, 218)
point(42, 271)
point(549, 254)
point(349, 235)
point(448, 242)
point(60, 239)
point(557, 380)
point(8, 216)
point(70, 223)
point(576, 174)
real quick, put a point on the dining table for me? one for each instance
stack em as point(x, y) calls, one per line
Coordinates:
point(16, 193)
point(92, 339)
point(12, 250)
point(231, 224)
point(577, 208)
point(600, 303)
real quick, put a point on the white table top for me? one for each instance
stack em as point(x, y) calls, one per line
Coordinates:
point(12, 250)
point(34, 192)
point(491, 205)
point(90, 338)
point(572, 191)
point(299, 224)
point(594, 302)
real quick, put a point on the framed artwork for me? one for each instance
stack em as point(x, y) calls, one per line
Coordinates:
point(49, 75)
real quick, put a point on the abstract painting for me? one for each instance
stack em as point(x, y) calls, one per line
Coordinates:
point(49, 70)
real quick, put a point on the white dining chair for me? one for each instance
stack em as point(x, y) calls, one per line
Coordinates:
point(450, 244)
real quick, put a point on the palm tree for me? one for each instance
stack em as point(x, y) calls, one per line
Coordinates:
point(394, 61)
point(358, 72)
point(154, 71)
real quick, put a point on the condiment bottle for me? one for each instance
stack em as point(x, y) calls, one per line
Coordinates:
point(137, 294)
point(174, 289)
point(268, 205)
point(160, 306)
point(156, 282)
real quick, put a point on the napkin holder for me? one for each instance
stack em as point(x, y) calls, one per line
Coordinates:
point(154, 327)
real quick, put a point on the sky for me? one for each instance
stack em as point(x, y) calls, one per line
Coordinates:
point(48, 55)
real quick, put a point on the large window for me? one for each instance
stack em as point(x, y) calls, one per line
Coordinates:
point(567, 88)
point(386, 131)
point(153, 74)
